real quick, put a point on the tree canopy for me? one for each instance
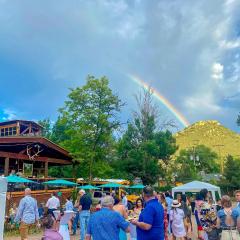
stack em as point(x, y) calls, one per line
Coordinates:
point(195, 160)
point(87, 122)
point(231, 173)
point(143, 146)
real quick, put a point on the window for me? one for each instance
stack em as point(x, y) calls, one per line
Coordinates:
point(8, 131)
point(97, 195)
point(14, 131)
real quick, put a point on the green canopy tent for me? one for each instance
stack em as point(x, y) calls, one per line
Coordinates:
point(89, 187)
point(137, 186)
point(112, 185)
point(16, 179)
point(12, 180)
point(60, 182)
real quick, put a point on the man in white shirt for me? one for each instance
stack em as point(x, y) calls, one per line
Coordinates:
point(53, 203)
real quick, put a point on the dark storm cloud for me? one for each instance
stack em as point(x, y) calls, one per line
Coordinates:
point(180, 47)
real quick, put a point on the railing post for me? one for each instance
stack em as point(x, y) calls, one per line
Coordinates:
point(46, 170)
point(6, 167)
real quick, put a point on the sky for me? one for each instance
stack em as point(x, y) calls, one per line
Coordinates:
point(188, 51)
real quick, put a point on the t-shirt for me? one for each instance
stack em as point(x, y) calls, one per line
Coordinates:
point(238, 204)
point(105, 224)
point(238, 208)
point(51, 234)
point(86, 202)
point(152, 214)
point(69, 206)
point(53, 203)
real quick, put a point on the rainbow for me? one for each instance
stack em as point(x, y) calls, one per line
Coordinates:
point(161, 98)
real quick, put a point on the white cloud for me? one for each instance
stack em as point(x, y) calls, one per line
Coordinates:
point(202, 105)
point(230, 44)
point(177, 45)
point(217, 71)
point(9, 114)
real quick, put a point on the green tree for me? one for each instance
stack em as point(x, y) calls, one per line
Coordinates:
point(195, 160)
point(238, 120)
point(185, 168)
point(143, 146)
point(231, 173)
point(87, 123)
point(47, 127)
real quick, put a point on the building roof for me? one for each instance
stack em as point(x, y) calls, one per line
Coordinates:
point(16, 147)
point(195, 186)
point(21, 121)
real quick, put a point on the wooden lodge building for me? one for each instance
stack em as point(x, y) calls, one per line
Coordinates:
point(24, 151)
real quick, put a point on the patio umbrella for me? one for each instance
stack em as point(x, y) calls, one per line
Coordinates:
point(137, 186)
point(89, 187)
point(112, 185)
point(60, 182)
point(16, 179)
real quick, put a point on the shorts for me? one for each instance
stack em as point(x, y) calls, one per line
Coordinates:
point(24, 229)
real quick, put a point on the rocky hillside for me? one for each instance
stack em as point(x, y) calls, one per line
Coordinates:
point(211, 134)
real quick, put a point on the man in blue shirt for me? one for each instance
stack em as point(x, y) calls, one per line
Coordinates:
point(150, 225)
point(106, 223)
point(27, 213)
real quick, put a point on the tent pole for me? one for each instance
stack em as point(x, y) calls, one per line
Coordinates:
point(214, 196)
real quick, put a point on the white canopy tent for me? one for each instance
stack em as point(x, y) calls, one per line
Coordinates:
point(196, 186)
point(3, 191)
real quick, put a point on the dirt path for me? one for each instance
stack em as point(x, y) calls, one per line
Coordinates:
point(37, 237)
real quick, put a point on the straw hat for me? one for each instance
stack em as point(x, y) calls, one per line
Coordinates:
point(176, 204)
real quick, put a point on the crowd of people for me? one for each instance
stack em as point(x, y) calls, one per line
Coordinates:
point(155, 216)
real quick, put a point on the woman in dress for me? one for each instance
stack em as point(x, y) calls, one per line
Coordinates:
point(197, 210)
point(206, 217)
point(228, 220)
point(119, 207)
point(136, 212)
point(64, 218)
point(69, 207)
point(187, 213)
point(138, 206)
point(162, 200)
point(176, 221)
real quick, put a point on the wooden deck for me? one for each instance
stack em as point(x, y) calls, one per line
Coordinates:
point(41, 195)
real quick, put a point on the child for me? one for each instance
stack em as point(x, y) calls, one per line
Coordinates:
point(41, 210)
point(12, 213)
point(50, 232)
